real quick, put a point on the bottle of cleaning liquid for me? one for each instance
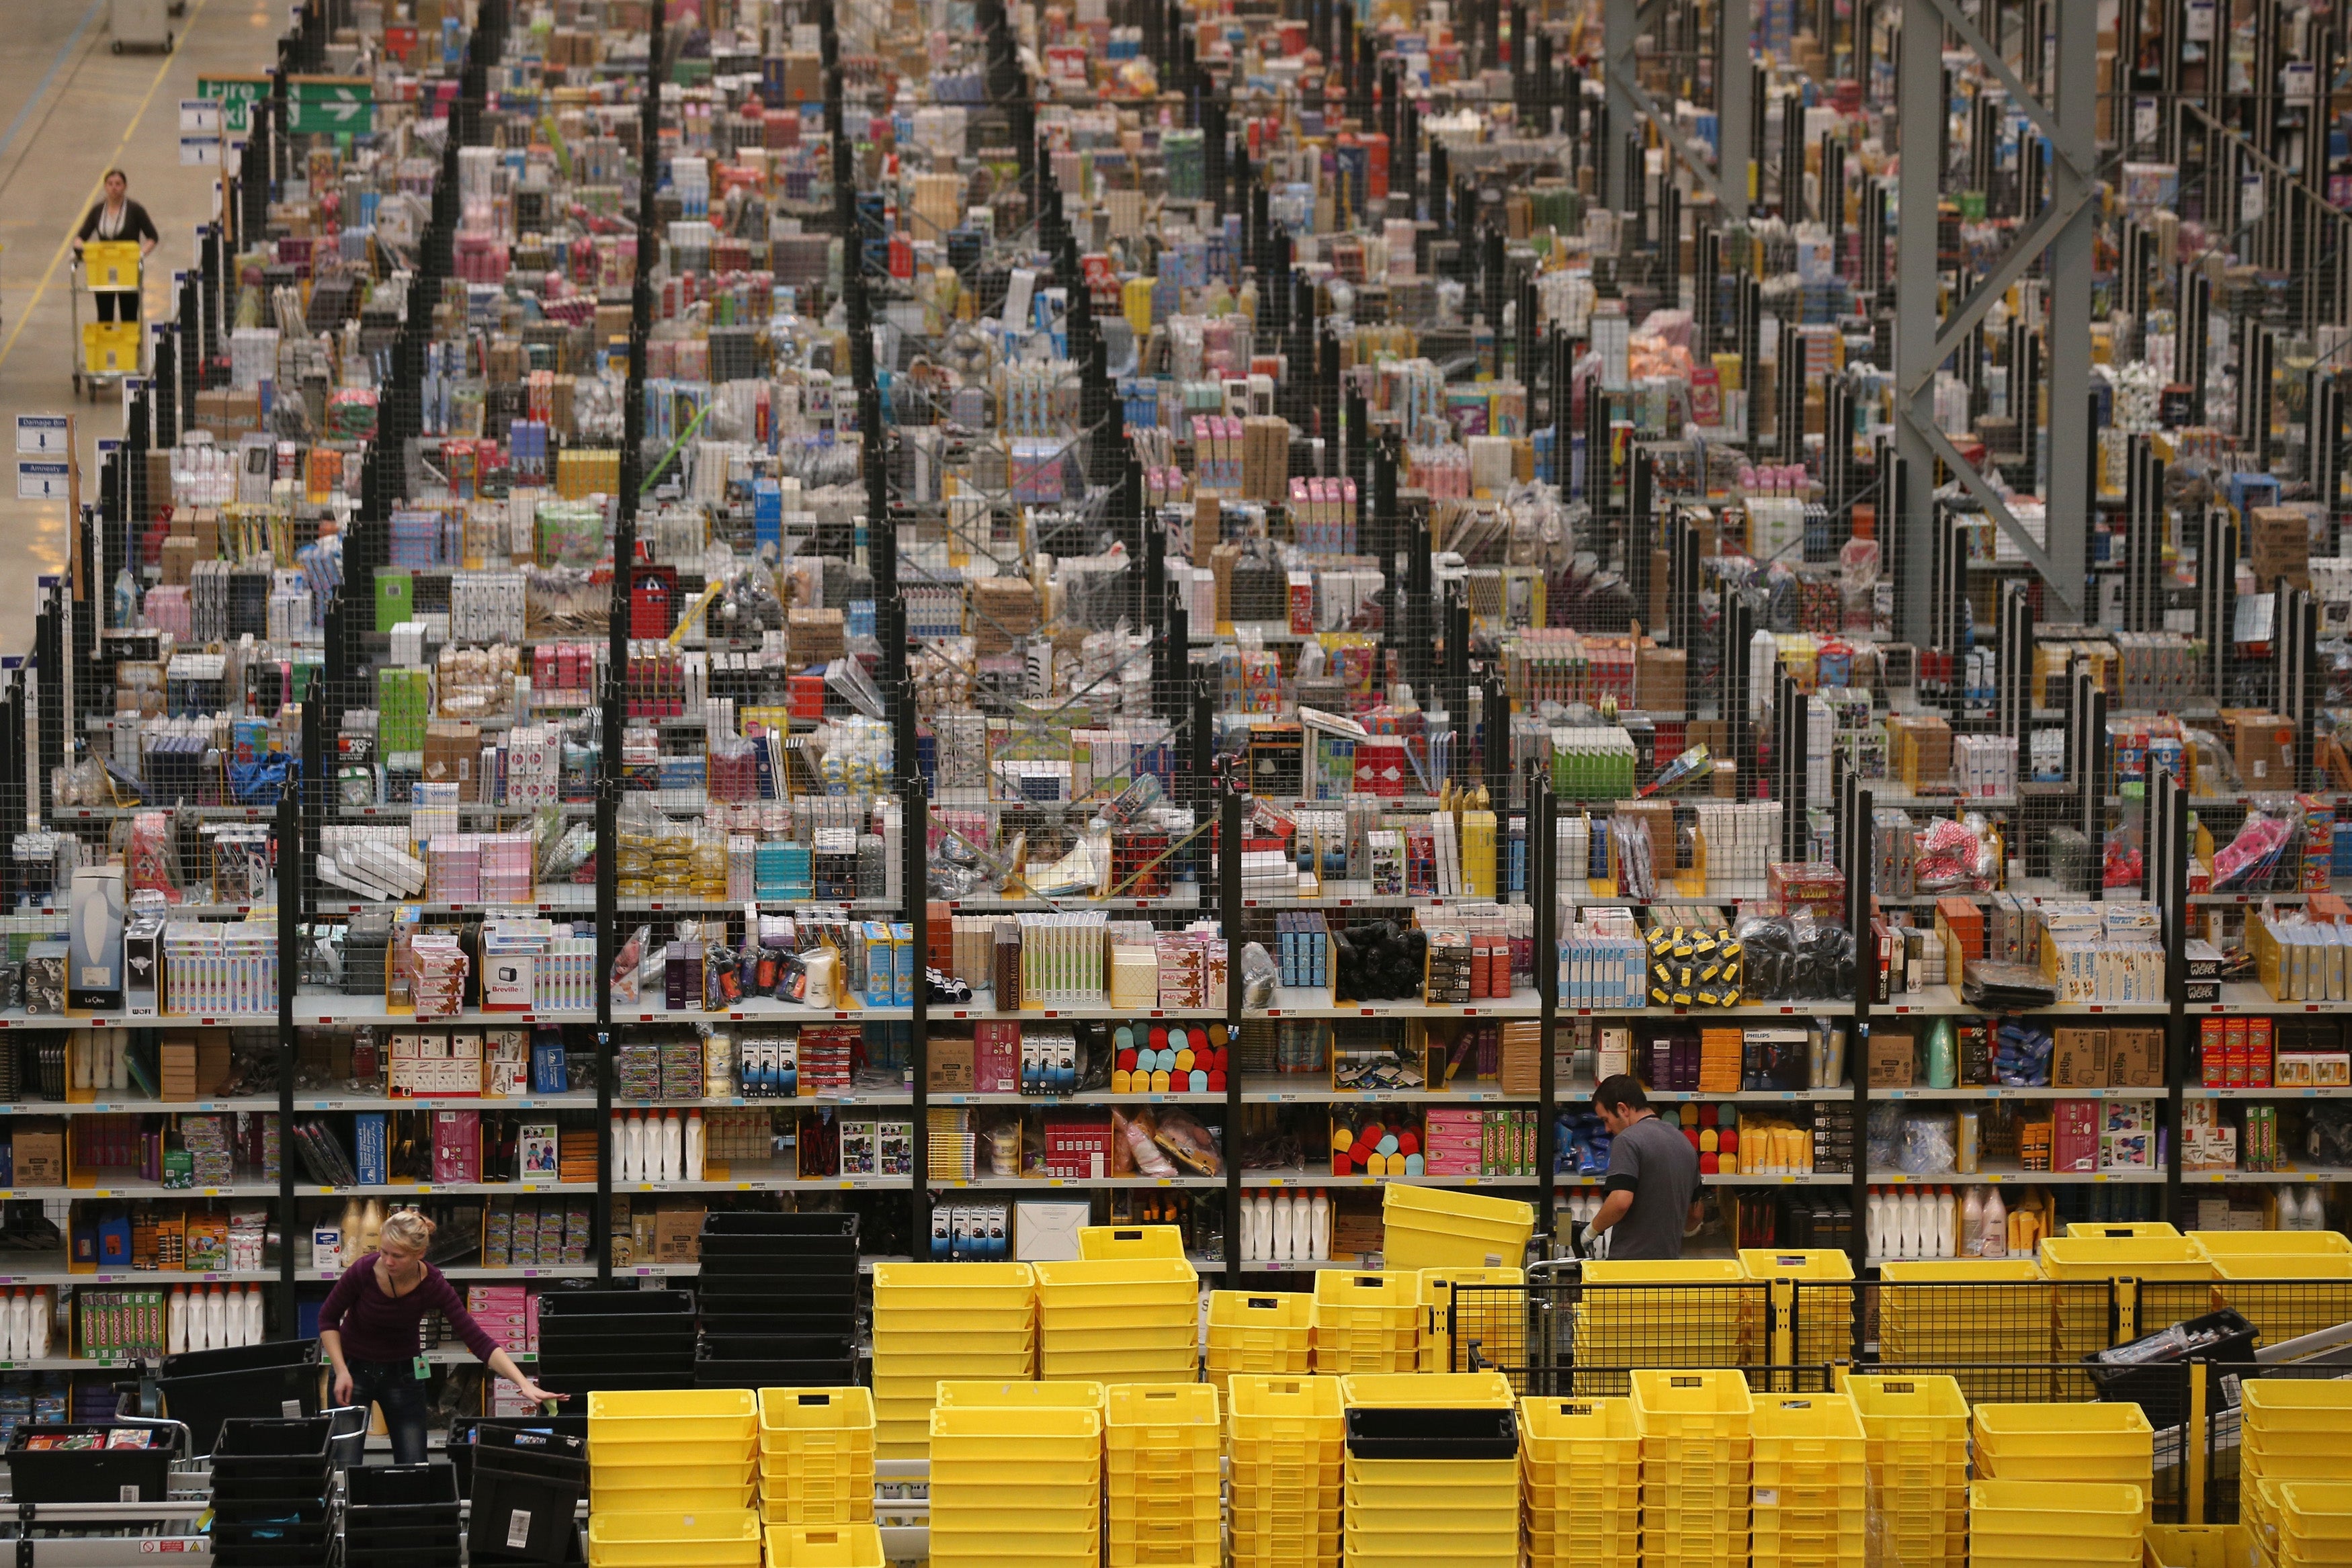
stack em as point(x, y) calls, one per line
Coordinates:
point(637, 1148)
point(1996, 1224)
point(673, 1147)
point(1972, 1238)
point(175, 1323)
point(45, 1321)
point(1249, 1230)
point(371, 1225)
point(1263, 1206)
point(17, 1333)
point(1946, 1223)
point(620, 1147)
point(1319, 1227)
point(254, 1332)
point(1876, 1226)
point(215, 1320)
point(1908, 1225)
point(695, 1146)
point(1285, 1226)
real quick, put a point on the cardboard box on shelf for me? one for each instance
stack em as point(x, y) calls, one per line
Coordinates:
point(1893, 1059)
point(949, 1065)
point(2134, 1057)
point(38, 1152)
point(2078, 1057)
point(2279, 541)
point(677, 1233)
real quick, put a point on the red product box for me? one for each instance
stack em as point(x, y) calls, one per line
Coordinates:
point(2213, 1052)
point(996, 1058)
point(456, 1145)
point(1077, 1147)
point(2258, 1053)
point(2075, 1136)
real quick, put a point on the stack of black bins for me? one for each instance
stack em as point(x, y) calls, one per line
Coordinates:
point(401, 1516)
point(598, 1341)
point(779, 1295)
point(528, 1483)
point(271, 1481)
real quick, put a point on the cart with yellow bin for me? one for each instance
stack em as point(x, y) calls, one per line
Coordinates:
point(107, 350)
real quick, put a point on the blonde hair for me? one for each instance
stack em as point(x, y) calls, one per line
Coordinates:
point(406, 1229)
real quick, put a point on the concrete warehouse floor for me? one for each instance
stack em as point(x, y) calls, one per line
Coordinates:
point(71, 109)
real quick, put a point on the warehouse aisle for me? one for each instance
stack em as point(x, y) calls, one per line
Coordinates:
point(69, 110)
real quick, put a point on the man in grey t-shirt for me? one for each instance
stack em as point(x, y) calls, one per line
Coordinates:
point(1653, 1178)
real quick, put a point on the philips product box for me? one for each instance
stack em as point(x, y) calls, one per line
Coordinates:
point(94, 939)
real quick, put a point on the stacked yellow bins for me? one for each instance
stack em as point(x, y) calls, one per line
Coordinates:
point(1016, 1487)
point(1131, 1320)
point(1581, 1482)
point(2315, 1524)
point(816, 1456)
point(2051, 1524)
point(1494, 1321)
point(2288, 1284)
point(1688, 1312)
point(1407, 1513)
point(672, 1450)
point(824, 1546)
point(944, 1320)
point(1262, 1335)
point(2292, 1429)
point(1915, 1441)
point(1284, 1440)
point(2165, 1278)
point(1693, 1428)
point(1955, 1312)
point(1432, 1227)
point(1366, 1321)
point(671, 1475)
point(1808, 1327)
point(1811, 1482)
point(2071, 1443)
point(1162, 1452)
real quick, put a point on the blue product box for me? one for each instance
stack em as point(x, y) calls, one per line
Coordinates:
point(368, 1147)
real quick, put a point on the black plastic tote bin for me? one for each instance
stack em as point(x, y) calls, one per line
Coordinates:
point(778, 1222)
point(90, 1475)
point(267, 1448)
point(520, 1514)
point(1377, 1434)
point(204, 1388)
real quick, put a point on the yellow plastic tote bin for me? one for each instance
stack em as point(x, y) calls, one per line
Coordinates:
point(824, 1546)
point(1109, 1243)
point(725, 1539)
point(110, 348)
point(111, 264)
point(1432, 1228)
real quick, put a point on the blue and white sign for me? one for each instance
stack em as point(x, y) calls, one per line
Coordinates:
point(43, 433)
point(43, 481)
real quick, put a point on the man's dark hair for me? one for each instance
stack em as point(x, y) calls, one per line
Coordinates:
point(1620, 1091)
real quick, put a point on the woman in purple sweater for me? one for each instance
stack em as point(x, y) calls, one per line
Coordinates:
point(368, 1328)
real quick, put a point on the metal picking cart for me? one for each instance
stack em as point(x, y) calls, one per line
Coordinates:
point(140, 24)
point(105, 352)
point(119, 1533)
